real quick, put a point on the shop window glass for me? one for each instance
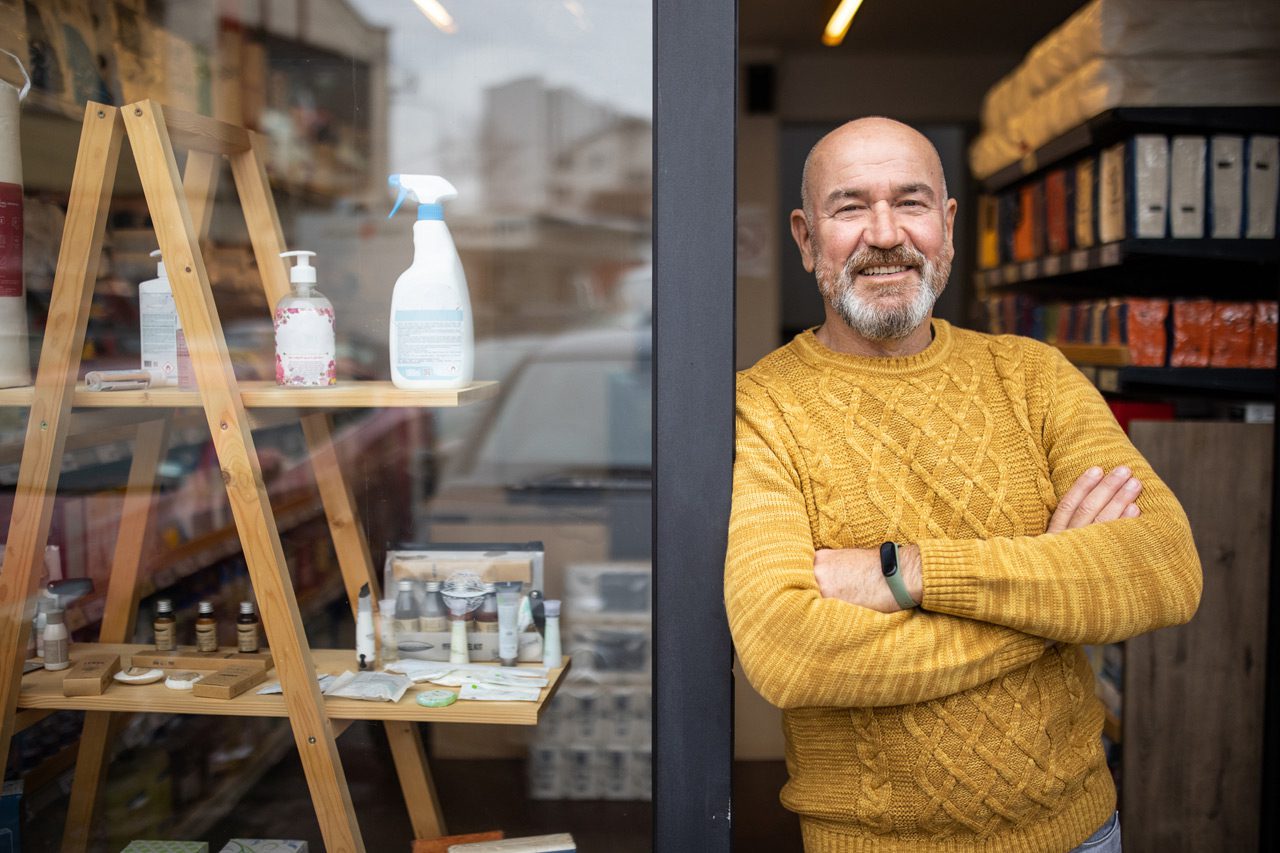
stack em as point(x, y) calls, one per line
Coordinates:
point(539, 114)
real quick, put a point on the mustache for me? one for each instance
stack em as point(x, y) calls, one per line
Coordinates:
point(874, 257)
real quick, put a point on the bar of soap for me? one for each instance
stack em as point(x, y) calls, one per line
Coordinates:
point(139, 675)
point(437, 698)
point(90, 675)
point(229, 682)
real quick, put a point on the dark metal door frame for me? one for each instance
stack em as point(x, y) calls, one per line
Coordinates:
point(695, 96)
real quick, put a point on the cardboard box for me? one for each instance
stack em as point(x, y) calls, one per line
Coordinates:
point(167, 847)
point(186, 657)
point(263, 845)
point(230, 682)
point(90, 675)
point(560, 843)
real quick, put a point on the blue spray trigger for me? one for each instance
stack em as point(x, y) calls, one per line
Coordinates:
point(395, 182)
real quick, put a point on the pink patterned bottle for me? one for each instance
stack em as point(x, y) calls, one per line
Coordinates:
point(304, 330)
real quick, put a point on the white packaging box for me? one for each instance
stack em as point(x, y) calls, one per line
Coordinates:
point(559, 843)
point(553, 725)
point(642, 773)
point(613, 588)
point(264, 845)
point(1149, 185)
point(147, 846)
point(1187, 156)
point(580, 775)
point(546, 772)
point(613, 772)
point(611, 649)
point(628, 715)
point(1226, 186)
point(1262, 186)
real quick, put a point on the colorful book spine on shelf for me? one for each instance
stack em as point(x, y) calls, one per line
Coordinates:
point(1111, 193)
point(1028, 236)
point(1007, 224)
point(1057, 222)
point(1262, 348)
point(1232, 334)
point(988, 232)
point(1192, 333)
point(1262, 187)
point(1085, 220)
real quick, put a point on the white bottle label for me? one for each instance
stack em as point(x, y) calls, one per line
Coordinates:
point(429, 344)
point(304, 346)
point(158, 318)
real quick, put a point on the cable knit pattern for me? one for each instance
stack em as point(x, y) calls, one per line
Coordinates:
point(969, 724)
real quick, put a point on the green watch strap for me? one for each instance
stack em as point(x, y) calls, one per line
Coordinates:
point(889, 565)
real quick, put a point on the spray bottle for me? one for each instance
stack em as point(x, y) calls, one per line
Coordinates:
point(431, 340)
point(305, 354)
point(366, 647)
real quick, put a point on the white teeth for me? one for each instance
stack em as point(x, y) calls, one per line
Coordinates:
point(884, 270)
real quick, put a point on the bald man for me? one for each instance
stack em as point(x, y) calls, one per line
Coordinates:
point(927, 525)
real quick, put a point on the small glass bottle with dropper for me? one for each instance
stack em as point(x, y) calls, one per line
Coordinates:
point(206, 628)
point(247, 636)
point(165, 626)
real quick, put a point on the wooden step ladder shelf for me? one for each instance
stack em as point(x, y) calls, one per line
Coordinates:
point(181, 208)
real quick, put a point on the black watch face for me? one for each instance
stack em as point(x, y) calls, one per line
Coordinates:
point(888, 559)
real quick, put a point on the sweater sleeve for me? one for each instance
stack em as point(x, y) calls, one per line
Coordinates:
point(802, 650)
point(1097, 584)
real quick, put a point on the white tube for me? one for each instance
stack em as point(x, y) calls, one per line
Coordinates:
point(458, 641)
point(551, 640)
point(508, 611)
point(366, 646)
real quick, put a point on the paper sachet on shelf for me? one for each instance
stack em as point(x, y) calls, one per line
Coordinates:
point(274, 688)
point(371, 686)
point(420, 670)
point(502, 676)
point(498, 692)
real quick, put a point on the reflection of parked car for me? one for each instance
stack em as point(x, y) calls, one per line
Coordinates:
point(563, 455)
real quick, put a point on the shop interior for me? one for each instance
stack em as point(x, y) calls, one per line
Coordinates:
point(538, 467)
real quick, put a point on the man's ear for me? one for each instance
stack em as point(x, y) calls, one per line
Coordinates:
point(800, 233)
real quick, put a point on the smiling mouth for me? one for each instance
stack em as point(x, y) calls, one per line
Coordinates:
point(884, 270)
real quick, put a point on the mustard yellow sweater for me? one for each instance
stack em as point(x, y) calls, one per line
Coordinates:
point(969, 724)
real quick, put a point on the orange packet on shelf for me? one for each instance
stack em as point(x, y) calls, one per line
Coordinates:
point(1232, 334)
point(1192, 333)
point(1262, 349)
point(1148, 340)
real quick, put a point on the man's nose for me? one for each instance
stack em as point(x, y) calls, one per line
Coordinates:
point(882, 231)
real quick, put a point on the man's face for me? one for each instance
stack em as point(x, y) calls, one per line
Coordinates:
point(878, 236)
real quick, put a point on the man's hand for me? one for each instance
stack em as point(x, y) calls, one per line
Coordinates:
point(854, 575)
point(1095, 498)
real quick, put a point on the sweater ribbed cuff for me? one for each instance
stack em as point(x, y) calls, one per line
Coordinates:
point(949, 571)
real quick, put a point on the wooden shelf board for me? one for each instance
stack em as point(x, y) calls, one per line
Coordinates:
point(43, 689)
point(1101, 355)
point(266, 394)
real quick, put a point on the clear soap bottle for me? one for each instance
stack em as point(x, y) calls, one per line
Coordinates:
point(305, 350)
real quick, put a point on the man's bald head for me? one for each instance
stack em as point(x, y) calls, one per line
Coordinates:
point(857, 132)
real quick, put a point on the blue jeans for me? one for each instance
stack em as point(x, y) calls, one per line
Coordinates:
point(1105, 840)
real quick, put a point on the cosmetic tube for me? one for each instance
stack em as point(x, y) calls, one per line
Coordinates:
point(508, 611)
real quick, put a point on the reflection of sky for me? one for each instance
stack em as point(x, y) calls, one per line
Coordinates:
point(601, 48)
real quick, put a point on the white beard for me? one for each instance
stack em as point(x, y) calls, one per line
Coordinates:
point(868, 315)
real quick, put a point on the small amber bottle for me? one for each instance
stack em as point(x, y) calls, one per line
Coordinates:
point(166, 627)
point(247, 637)
point(206, 629)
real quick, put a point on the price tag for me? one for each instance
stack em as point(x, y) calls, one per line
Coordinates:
point(1010, 273)
point(1078, 260)
point(1109, 380)
point(1051, 265)
point(1029, 270)
point(1109, 256)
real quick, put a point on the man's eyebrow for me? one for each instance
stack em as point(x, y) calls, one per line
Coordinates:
point(859, 194)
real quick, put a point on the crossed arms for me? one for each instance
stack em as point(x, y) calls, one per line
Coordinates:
point(1100, 573)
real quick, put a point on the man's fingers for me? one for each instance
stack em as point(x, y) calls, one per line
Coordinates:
point(1131, 511)
point(1123, 500)
point(1099, 497)
point(1071, 500)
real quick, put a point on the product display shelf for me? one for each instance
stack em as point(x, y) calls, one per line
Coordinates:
point(1114, 124)
point(1157, 733)
point(180, 207)
point(1109, 255)
point(43, 690)
point(262, 394)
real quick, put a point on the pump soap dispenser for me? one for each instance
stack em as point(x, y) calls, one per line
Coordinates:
point(431, 337)
point(160, 326)
point(304, 330)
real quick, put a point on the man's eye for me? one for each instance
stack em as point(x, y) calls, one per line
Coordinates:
point(911, 202)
